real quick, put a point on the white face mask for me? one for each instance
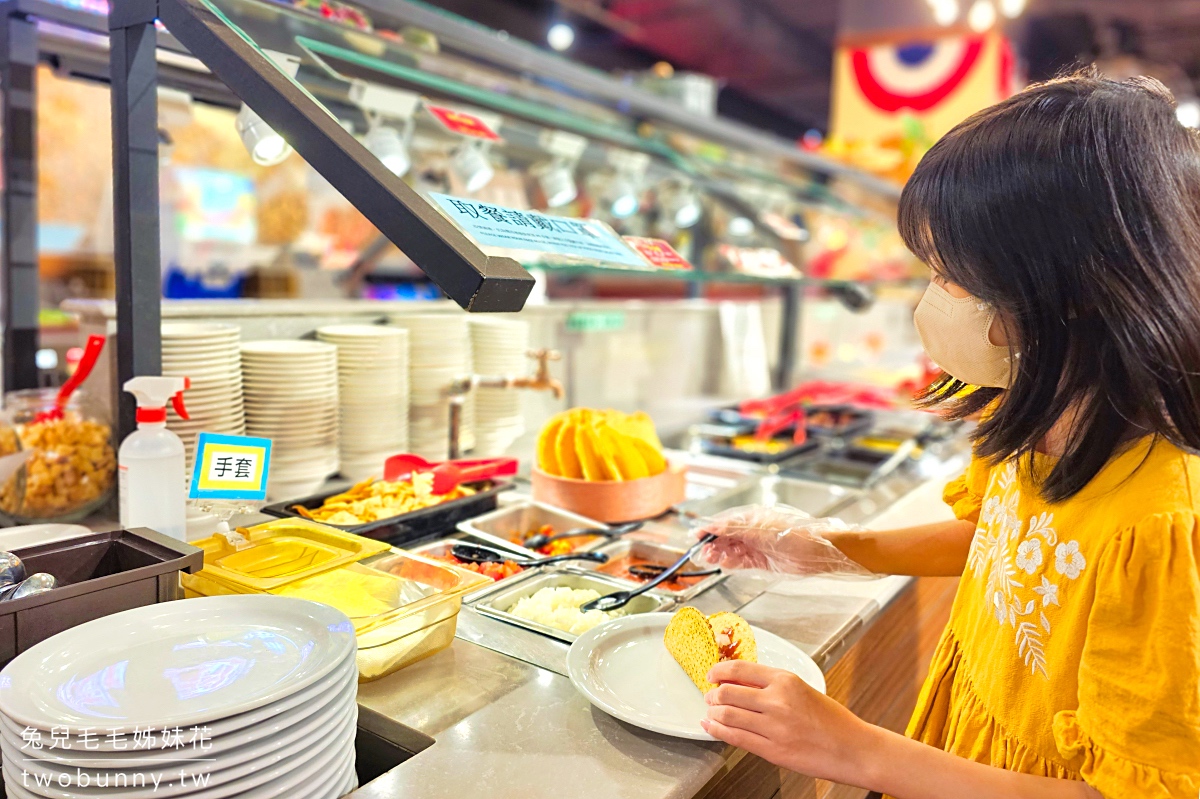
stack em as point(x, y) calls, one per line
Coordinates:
point(954, 332)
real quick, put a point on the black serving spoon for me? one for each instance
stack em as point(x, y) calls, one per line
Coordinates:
point(539, 541)
point(648, 571)
point(622, 598)
point(473, 553)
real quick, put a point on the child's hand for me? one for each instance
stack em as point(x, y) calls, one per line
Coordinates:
point(777, 716)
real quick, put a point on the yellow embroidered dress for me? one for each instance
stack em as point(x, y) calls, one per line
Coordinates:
point(1073, 649)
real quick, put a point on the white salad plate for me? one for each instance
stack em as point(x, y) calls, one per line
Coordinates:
point(176, 664)
point(624, 669)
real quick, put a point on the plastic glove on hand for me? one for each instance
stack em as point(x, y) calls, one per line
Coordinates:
point(776, 540)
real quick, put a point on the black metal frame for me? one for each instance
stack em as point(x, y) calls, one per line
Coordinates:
point(473, 279)
point(18, 246)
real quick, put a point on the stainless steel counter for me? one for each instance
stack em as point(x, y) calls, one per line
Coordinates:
point(507, 728)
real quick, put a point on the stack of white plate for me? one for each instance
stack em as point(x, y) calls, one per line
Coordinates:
point(207, 354)
point(498, 347)
point(291, 397)
point(373, 393)
point(247, 696)
point(439, 352)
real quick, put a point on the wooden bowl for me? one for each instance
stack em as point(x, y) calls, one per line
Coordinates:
point(611, 501)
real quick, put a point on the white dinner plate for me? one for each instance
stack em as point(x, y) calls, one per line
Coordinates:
point(312, 710)
point(214, 769)
point(624, 669)
point(277, 780)
point(175, 663)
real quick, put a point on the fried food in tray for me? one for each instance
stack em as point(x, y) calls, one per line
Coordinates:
point(373, 500)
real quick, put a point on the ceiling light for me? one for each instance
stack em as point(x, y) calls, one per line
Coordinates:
point(981, 16)
point(265, 146)
point(1012, 8)
point(1188, 113)
point(683, 206)
point(623, 197)
point(471, 165)
point(945, 12)
point(561, 36)
point(740, 227)
point(557, 181)
point(386, 144)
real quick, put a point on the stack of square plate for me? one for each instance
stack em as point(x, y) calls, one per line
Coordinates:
point(208, 355)
point(498, 347)
point(439, 348)
point(373, 394)
point(248, 696)
point(291, 397)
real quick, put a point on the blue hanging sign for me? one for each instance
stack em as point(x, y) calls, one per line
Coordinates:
point(497, 226)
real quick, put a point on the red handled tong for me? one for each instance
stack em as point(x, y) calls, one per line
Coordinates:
point(448, 475)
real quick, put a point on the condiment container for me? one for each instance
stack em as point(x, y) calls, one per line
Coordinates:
point(404, 607)
point(72, 466)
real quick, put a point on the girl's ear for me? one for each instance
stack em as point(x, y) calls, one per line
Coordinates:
point(998, 332)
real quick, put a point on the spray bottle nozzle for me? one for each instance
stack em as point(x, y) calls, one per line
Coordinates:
point(153, 394)
point(177, 400)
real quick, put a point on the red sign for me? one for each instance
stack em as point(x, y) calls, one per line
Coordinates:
point(658, 253)
point(462, 123)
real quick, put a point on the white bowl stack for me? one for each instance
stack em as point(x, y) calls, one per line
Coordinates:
point(247, 696)
point(498, 348)
point(208, 355)
point(439, 352)
point(373, 394)
point(291, 397)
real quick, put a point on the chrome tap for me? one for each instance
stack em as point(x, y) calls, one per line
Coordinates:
point(460, 388)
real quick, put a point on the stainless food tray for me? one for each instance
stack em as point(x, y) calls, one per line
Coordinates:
point(525, 516)
point(659, 553)
point(496, 602)
point(443, 546)
point(816, 499)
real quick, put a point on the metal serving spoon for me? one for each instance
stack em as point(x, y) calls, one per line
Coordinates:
point(33, 584)
point(473, 553)
point(622, 598)
point(539, 541)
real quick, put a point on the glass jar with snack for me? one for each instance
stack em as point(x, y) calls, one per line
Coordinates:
point(71, 467)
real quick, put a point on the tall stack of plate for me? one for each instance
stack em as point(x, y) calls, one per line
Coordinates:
point(208, 355)
point(248, 696)
point(373, 393)
point(291, 397)
point(439, 348)
point(498, 347)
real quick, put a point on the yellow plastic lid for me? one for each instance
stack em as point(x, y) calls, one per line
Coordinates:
point(283, 551)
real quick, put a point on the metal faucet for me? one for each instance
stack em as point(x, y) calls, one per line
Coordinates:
point(460, 388)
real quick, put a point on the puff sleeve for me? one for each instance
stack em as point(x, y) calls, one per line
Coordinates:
point(1136, 731)
point(964, 494)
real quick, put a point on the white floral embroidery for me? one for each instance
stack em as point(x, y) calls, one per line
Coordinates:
point(1029, 555)
point(1004, 547)
point(1048, 591)
point(1068, 560)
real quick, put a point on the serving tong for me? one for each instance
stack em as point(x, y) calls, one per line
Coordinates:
point(620, 599)
point(539, 541)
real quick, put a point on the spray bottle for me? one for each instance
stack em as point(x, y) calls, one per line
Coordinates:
point(151, 462)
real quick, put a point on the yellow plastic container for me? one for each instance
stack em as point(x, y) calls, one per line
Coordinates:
point(404, 607)
point(283, 551)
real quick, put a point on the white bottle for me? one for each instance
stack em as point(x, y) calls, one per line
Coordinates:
point(151, 463)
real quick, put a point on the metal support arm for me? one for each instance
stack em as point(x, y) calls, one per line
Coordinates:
point(19, 293)
point(135, 199)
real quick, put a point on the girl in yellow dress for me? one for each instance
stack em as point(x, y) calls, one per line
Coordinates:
point(1063, 229)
